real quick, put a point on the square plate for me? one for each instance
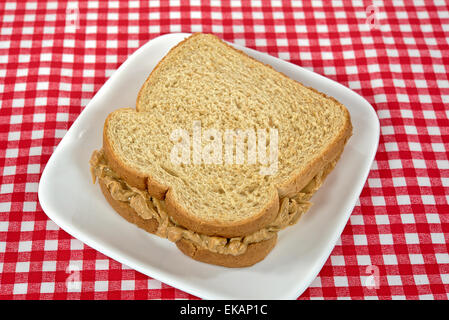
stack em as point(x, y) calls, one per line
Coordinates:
point(69, 198)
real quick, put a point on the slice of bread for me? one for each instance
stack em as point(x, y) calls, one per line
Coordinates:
point(204, 79)
point(219, 212)
point(211, 199)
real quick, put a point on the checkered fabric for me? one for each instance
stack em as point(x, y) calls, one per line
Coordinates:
point(54, 56)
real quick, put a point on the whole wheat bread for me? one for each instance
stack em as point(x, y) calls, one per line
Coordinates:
point(204, 79)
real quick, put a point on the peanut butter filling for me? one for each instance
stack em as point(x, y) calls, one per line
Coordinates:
point(148, 207)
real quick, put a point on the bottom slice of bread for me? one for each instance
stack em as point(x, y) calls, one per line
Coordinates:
point(254, 253)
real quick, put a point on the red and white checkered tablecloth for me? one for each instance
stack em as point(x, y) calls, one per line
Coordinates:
point(54, 56)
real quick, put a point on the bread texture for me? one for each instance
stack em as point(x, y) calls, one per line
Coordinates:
point(192, 197)
point(205, 81)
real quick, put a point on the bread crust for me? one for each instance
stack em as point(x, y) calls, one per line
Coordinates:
point(289, 188)
point(253, 254)
point(218, 228)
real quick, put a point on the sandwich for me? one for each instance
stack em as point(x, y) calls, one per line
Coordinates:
point(220, 153)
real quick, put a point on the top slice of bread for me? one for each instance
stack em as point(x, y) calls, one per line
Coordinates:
point(204, 79)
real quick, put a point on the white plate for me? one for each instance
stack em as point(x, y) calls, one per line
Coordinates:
point(69, 198)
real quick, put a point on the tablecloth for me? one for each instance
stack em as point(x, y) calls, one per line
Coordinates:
point(54, 56)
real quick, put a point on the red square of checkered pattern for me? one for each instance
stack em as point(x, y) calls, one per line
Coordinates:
point(54, 56)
